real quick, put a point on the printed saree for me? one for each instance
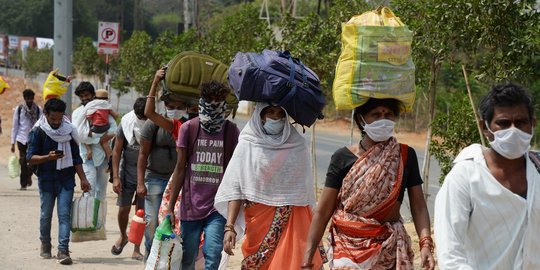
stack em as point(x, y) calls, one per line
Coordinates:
point(368, 194)
point(276, 237)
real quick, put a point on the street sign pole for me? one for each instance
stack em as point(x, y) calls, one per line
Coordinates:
point(107, 74)
point(108, 43)
point(63, 43)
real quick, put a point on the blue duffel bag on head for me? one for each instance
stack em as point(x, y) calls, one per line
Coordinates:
point(280, 79)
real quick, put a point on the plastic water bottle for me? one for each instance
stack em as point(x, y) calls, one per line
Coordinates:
point(136, 229)
point(164, 230)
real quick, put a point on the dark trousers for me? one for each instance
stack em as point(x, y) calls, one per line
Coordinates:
point(26, 172)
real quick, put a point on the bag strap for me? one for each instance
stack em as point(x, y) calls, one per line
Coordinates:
point(535, 158)
point(291, 83)
point(193, 135)
point(19, 108)
point(227, 137)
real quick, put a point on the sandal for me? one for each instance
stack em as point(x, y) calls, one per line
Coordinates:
point(118, 250)
point(138, 257)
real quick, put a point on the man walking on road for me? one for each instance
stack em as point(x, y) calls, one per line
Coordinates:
point(205, 146)
point(487, 212)
point(25, 116)
point(124, 167)
point(157, 159)
point(94, 165)
point(53, 148)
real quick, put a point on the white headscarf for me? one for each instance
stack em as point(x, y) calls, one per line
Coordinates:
point(131, 126)
point(274, 170)
point(62, 136)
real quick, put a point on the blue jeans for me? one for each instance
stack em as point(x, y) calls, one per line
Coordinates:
point(154, 193)
point(97, 177)
point(213, 227)
point(63, 209)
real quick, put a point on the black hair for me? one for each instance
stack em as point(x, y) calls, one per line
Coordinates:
point(505, 95)
point(214, 91)
point(28, 93)
point(138, 107)
point(54, 105)
point(85, 86)
point(393, 104)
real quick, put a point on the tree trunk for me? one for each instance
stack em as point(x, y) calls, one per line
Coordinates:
point(434, 73)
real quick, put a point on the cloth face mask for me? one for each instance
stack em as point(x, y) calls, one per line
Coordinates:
point(274, 127)
point(510, 143)
point(211, 115)
point(380, 130)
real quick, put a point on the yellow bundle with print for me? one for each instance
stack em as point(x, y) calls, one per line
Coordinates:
point(375, 61)
point(55, 85)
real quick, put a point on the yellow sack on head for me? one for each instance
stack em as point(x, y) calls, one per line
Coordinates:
point(55, 86)
point(375, 61)
point(3, 85)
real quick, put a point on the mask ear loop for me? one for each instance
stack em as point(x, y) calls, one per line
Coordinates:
point(365, 123)
point(487, 127)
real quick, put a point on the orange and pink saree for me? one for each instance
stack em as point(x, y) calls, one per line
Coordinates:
point(368, 194)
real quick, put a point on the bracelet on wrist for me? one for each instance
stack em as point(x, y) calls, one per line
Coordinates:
point(150, 96)
point(427, 241)
point(307, 265)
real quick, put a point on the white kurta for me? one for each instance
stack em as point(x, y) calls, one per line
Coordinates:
point(480, 224)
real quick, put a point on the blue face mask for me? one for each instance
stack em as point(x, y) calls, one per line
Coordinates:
point(274, 127)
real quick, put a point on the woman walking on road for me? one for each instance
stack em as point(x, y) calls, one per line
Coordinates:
point(365, 185)
point(267, 191)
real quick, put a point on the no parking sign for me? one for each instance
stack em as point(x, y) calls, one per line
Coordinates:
point(108, 37)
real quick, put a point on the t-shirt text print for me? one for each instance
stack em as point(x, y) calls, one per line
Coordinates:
point(207, 165)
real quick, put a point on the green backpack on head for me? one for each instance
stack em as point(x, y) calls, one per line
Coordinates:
point(187, 71)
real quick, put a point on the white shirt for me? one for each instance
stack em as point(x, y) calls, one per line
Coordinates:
point(480, 224)
point(21, 125)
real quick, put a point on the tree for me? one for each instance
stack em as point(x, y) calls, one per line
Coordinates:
point(36, 61)
point(86, 59)
point(316, 40)
point(242, 31)
point(136, 64)
point(495, 40)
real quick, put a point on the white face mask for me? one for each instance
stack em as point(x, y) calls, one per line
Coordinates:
point(380, 130)
point(510, 143)
point(175, 114)
point(274, 127)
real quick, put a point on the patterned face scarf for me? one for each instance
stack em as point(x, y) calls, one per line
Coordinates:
point(212, 115)
point(31, 112)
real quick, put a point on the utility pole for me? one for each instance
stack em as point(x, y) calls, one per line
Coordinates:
point(63, 42)
point(187, 14)
point(138, 15)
